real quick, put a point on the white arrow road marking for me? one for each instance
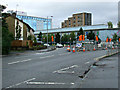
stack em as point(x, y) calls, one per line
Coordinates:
point(61, 70)
point(87, 62)
point(65, 72)
point(47, 83)
point(20, 83)
point(20, 61)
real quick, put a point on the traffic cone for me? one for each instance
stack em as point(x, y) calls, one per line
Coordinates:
point(94, 48)
point(106, 48)
point(73, 49)
point(112, 47)
point(83, 48)
point(68, 49)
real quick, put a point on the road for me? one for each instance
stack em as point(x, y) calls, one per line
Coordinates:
point(54, 69)
point(103, 75)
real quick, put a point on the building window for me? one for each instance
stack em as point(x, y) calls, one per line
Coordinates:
point(74, 18)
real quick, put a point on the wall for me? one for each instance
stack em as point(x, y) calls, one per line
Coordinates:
point(11, 24)
point(25, 30)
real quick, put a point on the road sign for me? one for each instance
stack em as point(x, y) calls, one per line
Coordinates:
point(79, 45)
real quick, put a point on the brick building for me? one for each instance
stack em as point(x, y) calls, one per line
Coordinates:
point(26, 30)
point(79, 19)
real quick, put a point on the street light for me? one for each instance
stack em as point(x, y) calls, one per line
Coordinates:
point(47, 29)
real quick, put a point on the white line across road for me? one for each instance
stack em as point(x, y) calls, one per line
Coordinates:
point(20, 83)
point(47, 83)
point(20, 61)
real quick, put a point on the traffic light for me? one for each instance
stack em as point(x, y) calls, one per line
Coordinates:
point(97, 38)
point(83, 37)
point(52, 38)
point(110, 39)
point(80, 38)
point(107, 40)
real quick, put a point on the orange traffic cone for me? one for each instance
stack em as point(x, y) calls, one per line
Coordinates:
point(94, 48)
point(73, 49)
point(83, 48)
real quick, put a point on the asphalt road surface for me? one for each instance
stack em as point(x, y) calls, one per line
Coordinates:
point(54, 69)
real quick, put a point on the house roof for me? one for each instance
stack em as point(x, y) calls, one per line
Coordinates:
point(19, 20)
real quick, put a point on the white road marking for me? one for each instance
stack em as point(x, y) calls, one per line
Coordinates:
point(19, 61)
point(65, 68)
point(87, 62)
point(47, 56)
point(20, 83)
point(47, 83)
point(65, 72)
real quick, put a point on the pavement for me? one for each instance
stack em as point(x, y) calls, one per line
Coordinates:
point(12, 53)
point(54, 69)
point(102, 75)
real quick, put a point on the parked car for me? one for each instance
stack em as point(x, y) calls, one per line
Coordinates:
point(59, 45)
point(46, 44)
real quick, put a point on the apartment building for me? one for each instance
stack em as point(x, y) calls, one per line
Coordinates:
point(79, 19)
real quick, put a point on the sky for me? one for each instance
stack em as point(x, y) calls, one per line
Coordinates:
point(102, 10)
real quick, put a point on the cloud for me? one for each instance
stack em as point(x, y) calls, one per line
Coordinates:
point(102, 12)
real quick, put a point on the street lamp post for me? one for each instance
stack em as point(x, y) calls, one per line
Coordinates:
point(47, 30)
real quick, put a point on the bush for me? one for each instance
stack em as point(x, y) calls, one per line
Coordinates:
point(7, 38)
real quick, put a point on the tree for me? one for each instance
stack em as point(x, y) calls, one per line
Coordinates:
point(29, 37)
point(57, 39)
point(80, 32)
point(110, 25)
point(34, 41)
point(65, 38)
point(7, 38)
point(115, 37)
point(2, 8)
point(91, 36)
point(72, 36)
point(44, 38)
point(119, 24)
point(40, 36)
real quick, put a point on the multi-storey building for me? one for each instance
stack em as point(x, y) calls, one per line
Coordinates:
point(37, 23)
point(79, 19)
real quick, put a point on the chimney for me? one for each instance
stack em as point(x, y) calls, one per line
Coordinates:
point(14, 14)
